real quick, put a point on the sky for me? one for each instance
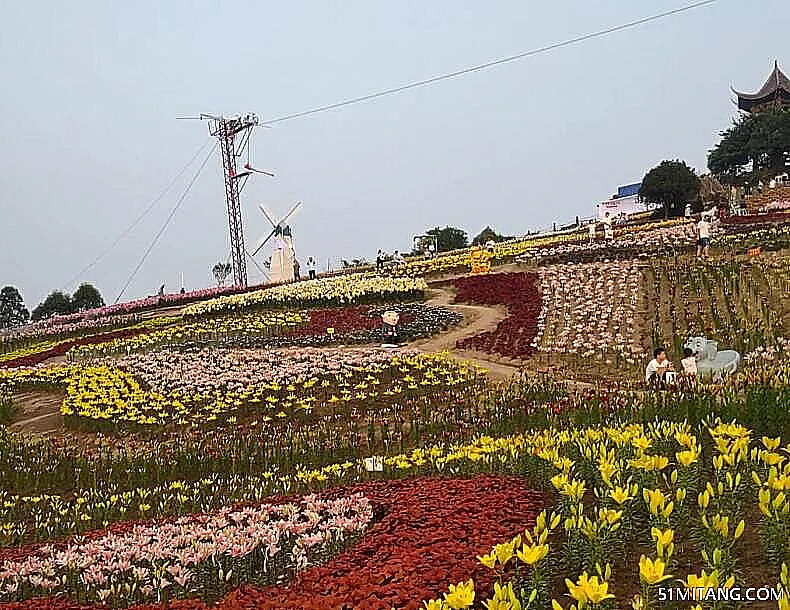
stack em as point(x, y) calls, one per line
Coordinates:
point(91, 92)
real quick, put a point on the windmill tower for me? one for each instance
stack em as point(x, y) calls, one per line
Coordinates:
point(283, 253)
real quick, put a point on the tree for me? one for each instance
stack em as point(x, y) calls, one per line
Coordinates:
point(86, 297)
point(671, 184)
point(756, 147)
point(449, 238)
point(222, 270)
point(711, 192)
point(56, 303)
point(12, 308)
point(486, 234)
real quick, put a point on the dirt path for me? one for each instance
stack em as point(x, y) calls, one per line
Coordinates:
point(477, 319)
point(38, 412)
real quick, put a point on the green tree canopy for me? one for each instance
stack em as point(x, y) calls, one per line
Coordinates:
point(57, 303)
point(486, 234)
point(671, 184)
point(449, 238)
point(12, 308)
point(757, 146)
point(86, 297)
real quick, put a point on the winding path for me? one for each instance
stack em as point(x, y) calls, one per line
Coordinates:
point(477, 319)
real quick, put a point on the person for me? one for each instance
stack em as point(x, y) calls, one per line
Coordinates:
point(591, 231)
point(658, 367)
point(431, 250)
point(689, 362)
point(311, 267)
point(296, 270)
point(397, 257)
point(379, 261)
point(389, 329)
point(607, 228)
point(703, 236)
point(183, 291)
point(490, 246)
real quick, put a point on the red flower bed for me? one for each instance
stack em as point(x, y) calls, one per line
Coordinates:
point(429, 539)
point(343, 320)
point(430, 533)
point(61, 348)
point(513, 336)
point(757, 219)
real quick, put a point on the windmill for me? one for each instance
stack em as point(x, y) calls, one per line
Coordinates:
point(281, 267)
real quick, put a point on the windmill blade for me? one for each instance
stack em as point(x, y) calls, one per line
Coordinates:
point(293, 211)
point(262, 242)
point(263, 273)
point(268, 214)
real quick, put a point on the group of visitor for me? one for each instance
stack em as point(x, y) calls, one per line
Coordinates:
point(608, 231)
point(312, 267)
point(661, 372)
point(381, 258)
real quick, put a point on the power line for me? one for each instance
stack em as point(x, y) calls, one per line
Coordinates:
point(139, 219)
point(490, 64)
point(167, 221)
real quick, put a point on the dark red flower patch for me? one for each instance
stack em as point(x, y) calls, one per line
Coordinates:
point(428, 536)
point(513, 336)
point(758, 219)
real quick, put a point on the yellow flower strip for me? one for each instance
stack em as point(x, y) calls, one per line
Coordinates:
point(210, 329)
point(627, 465)
point(341, 290)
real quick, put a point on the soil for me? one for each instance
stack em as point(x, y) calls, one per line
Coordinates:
point(477, 319)
point(38, 412)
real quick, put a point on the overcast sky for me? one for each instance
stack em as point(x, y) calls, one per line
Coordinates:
point(91, 91)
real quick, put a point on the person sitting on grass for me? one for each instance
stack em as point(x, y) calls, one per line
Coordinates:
point(656, 370)
point(689, 362)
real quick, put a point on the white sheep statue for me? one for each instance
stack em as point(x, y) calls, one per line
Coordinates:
point(712, 363)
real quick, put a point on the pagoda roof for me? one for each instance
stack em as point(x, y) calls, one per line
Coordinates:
point(776, 87)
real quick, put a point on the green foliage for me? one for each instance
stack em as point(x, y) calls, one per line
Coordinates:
point(12, 308)
point(671, 184)
point(57, 303)
point(755, 147)
point(449, 238)
point(86, 297)
point(486, 234)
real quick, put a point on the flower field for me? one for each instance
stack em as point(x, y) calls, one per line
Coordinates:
point(219, 386)
point(591, 308)
point(259, 450)
point(742, 304)
point(507, 251)
point(201, 554)
point(678, 236)
point(337, 291)
point(514, 336)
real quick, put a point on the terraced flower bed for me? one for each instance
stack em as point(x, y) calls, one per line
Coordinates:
point(197, 554)
point(741, 304)
point(514, 336)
